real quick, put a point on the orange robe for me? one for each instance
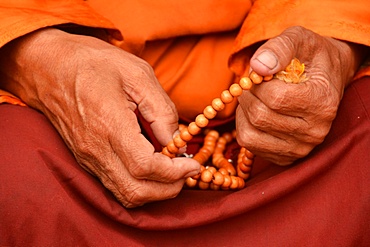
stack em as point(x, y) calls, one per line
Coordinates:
point(192, 45)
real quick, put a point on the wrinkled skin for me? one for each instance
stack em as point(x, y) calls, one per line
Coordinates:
point(283, 122)
point(89, 90)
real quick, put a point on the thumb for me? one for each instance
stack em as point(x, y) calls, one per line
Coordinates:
point(274, 55)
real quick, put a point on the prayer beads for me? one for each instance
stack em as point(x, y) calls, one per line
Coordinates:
point(221, 173)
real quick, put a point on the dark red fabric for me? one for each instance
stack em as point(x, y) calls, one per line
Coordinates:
point(46, 199)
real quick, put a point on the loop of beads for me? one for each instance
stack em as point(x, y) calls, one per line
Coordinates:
point(222, 174)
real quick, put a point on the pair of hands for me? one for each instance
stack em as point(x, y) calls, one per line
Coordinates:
point(90, 89)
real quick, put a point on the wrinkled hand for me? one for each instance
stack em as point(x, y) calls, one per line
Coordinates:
point(89, 90)
point(283, 122)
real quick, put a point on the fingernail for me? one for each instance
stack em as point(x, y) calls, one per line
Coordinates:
point(268, 59)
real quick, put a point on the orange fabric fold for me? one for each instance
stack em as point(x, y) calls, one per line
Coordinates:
point(345, 20)
point(20, 17)
point(146, 20)
point(6, 97)
point(188, 44)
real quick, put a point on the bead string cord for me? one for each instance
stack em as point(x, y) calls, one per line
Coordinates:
point(222, 174)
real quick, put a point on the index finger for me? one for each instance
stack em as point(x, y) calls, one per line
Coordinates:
point(286, 98)
point(138, 155)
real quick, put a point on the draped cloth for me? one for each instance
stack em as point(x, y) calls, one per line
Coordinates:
point(193, 46)
point(46, 198)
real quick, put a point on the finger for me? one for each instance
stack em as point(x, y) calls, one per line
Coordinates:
point(265, 119)
point(155, 105)
point(150, 191)
point(274, 55)
point(286, 98)
point(278, 150)
point(140, 192)
point(133, 192)
point(161, 113)
point(138, 155)
point(161, 168)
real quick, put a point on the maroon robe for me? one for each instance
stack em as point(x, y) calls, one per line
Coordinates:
point(47, 199)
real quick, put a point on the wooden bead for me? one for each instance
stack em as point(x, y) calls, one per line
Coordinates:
point(217, 104)
point(206, 176)
point(216, 159)
point(230, 168)
point(191, 182)
point(172, 148)
point(226, 97)
point(228, 137)
point(182, 126)
point(235, 90)
point(222, 141)
point(256, 78)
point(194, 129)
point(242, 174)
point(234, 182)
point(201, 121)
point(203, 185)
point(168, 153)
point(241, 183)
point(223, 171)
point(219, 147)
point(227, 182)
point(225, 164)
point(212, 169)
point(245, 83)
point(213, 186)
point(196, 177)
point(249, 154)
point(213, 133)
point(246, 161)
point(179, 142)
point(233, 133)
point(268, 77)
point(206, 150)
point(209, 141)
point(218, 178)
point(209, 112)
point(244, 168)
point(185, 135)
point(200, 157)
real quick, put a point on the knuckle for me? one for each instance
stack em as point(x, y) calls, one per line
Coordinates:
point(301, 151)
point(142, 70)
point(291, 155)
point(134, 198)
point(258, 116)
point(140, 170)
point(244, 137)
point(316, 135)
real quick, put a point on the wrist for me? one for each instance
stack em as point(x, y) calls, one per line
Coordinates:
point(27, 63)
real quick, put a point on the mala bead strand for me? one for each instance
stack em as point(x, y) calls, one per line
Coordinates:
point(218, 159)
point(208, 147)
point(245, 162)
point(210, 177)
point(226, 177)
point(202, 120)
point(202, 156)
